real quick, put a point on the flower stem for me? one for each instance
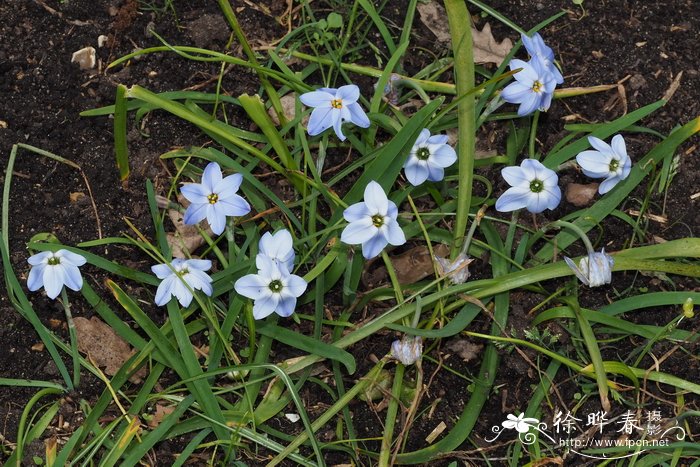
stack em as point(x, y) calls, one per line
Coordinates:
point(73, 338)
point(533, 135)
point(577, 230)
point(460, 29)
point(472, 229)
point(391, 412)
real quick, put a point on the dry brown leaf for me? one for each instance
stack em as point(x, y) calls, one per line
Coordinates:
point(410, 266)
point(104, 346)
point(288, 102)
point(465, 349)
point(159, 414)
point(487, 49)
point(186, 238)
point(434, 16)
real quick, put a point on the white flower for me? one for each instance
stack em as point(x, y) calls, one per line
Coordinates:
point(278, 248)
point(180, 277)
point(457, 270)
point(534, 187)
point(53, 270)
point(428, 158)
point(332, 107)
point(538, 49)
point(593, 270)
point(533, 87)
point(609, 162)
point(408, 350)
point(373, 222)
point(273, 288)
point(520, 423)
point(214, 199)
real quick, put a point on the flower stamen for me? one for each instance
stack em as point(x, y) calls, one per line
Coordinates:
point(536, 186)
point(213, 198)
point(54, 261)
point(337, 103)
point(377, 220)
point(537, 86)
point(276, 286)
point(423, 154)
point(614, 165)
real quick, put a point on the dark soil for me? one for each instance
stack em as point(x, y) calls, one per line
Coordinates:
point(643, 45)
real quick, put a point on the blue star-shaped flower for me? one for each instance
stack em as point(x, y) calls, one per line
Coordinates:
point(332, 107)
point(214, 199)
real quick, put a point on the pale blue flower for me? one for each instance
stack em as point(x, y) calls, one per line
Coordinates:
point(533, 87)
point(180, 278)
point(373, 222)
point(609, 162)
point(593, 270)
point(538, 49)
point(278, 248)
point(333, 107)
point(214, 199)
point(408, 350)
point(54, 269)
point(428, 158)
point(534, 187)
point(273, 289)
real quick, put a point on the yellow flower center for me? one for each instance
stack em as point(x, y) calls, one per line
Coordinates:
point(337, 103)
point(378, 220)
point(614, 165)
point(213, 198)
point(537, 87)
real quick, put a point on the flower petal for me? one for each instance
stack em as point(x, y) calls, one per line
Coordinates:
point(53, 279)
point(423, 137)
point(216, 218)
point(513, 198)
point(529, 104)
point(162, 271)
point(444, 156)
point(375, 199)
point(199, 280)
point(195, 213)
point(286, 306)
point(527, 75)
point(265, 306)
point(337, 119)
point(39, 258)
point(319, 121)
point(600, 145)
point(211, 176)
point(618, 146)
point(349, 93)
point(234, 206)
point(195, 193)
point(35, 281)
point(594, 164)
point(72, 277)
point(373, 246)
point(435, 172)
point(358, 115)
point(318, 99)
point(553, 197)
point(199, 264)
point(356, 212)
point(296, 285)
point(394, 234)
point(252, 286)
point(358, 231)
point(608, 184)
point(164, 292)
point(416, 171)
point(71, 258)
point(516, 92)
point(229, 185)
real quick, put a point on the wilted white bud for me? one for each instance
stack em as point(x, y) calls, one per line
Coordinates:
point(407, 350)
point(457, 270)
point(593, 270)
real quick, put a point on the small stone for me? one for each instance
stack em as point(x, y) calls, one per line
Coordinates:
point(85, 57)
point(102, 40)
point(581, 195)
point(637, 81)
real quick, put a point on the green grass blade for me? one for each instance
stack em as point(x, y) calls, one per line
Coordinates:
point(120, 147)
